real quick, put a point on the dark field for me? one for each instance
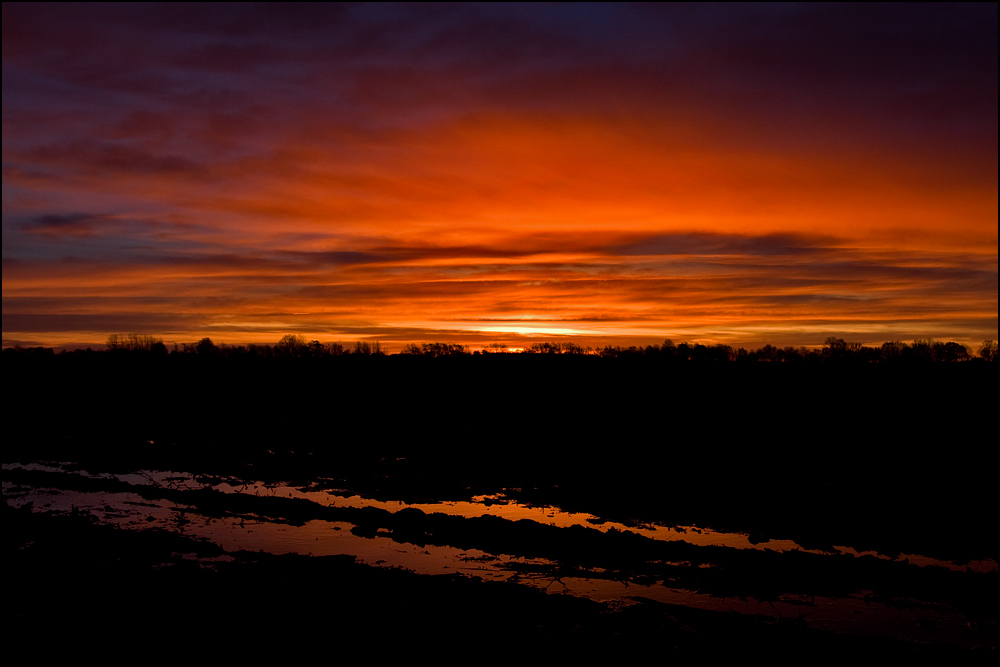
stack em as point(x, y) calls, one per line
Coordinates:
point(497, 509)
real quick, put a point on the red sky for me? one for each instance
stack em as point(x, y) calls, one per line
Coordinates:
point(612, 174)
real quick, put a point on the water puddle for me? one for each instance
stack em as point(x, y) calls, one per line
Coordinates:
point(323, 538)
point(494, 505)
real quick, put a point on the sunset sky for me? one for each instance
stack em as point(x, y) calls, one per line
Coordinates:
point(607, 174)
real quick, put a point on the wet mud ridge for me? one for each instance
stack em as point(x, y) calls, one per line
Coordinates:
point(521, 513)
point(126, 597)
point(114, 587)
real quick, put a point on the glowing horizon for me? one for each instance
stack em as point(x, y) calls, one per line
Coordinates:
point(379, 173)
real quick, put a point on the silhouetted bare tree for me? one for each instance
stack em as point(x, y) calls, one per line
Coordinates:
point(366, 349)
point(291, 345)
point(133, 342)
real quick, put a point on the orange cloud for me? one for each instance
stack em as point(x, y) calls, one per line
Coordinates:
point(754, 188)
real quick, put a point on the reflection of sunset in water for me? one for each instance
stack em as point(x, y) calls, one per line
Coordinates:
point(851, 613)
point(278, 538)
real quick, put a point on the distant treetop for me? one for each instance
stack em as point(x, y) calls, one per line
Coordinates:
point(834, 350)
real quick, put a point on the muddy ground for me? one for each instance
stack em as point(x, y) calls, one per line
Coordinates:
point(836, 462)
point(77, 592)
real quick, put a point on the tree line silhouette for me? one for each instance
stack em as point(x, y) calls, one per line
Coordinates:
point(778, 441)
point(834, 350)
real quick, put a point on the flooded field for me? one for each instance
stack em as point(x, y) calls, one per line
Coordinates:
point(146, 500)
point(613, 520)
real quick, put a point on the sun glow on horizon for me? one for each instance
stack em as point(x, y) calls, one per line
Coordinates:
point(608, 191)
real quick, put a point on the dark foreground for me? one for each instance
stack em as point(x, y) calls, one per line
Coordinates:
point(891, 461)
point(76, 592)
